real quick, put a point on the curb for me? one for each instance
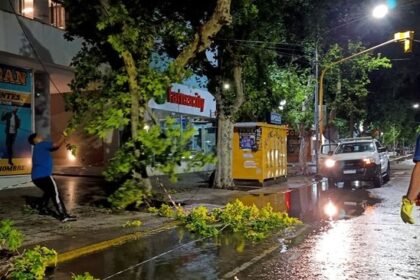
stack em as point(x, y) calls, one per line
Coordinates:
point(89, 249)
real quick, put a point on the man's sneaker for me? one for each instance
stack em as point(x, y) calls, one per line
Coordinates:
point(68, 218)
point(46, 212)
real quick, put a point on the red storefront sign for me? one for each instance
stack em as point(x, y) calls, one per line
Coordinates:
point(184, 99)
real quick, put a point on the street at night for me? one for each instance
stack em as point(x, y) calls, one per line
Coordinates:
point(373, 244)
point(218, 139)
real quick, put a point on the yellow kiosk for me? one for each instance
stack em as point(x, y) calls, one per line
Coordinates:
point(259, 152)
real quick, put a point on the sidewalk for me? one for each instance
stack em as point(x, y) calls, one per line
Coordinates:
point(98, 228)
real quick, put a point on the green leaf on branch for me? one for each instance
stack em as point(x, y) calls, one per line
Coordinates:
point(10, 238)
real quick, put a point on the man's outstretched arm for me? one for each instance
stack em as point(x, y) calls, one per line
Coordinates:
point(57, 144)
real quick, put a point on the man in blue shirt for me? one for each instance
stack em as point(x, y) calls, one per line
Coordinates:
point(42, 166)
point(413, 189)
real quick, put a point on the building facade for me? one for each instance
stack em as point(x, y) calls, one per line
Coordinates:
point(35, 69)
point(34, 76)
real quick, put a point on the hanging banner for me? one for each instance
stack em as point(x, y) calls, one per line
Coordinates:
point(15, 120)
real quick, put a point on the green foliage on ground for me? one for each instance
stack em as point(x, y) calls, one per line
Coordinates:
point(249, 221)
point(166, 211)
point(201, 221)
point(134, 223)
point(85, 276)
point(10, 238)
point(130, 193)
point(32, 263)
point(153, 210)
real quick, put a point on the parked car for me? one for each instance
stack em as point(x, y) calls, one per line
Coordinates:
point(355, 159)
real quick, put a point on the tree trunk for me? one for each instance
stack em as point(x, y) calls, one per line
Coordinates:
point(225, 126)
point(351, 126)
point(303, 149)
point(137, 114)
point(223, 176)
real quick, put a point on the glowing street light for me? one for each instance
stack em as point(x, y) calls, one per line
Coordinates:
point(416, 105)
point(380, 11)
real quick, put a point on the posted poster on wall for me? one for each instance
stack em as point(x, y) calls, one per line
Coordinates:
point(15, 120)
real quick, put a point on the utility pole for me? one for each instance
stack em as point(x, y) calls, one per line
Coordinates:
point(316, 114)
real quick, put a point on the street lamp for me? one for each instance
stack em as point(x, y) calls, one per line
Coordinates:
point(380, 11)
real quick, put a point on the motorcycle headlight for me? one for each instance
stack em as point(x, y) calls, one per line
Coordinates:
point(329, 163)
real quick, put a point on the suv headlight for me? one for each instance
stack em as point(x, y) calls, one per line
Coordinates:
point(369, 161)
point(329, 163)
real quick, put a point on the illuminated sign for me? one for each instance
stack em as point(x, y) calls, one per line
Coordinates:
point(187, 100)
point(12, 75)
point(15, 79)
point(274, 118)
point(183, 99)
point(15, 120)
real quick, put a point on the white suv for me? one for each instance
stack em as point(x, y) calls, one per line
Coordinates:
point(355, 159)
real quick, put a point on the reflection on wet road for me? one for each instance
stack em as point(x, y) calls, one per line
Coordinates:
point(370, 244)
point(376, 245)
point(168, 255)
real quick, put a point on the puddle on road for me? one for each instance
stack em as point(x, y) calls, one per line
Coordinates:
point(307, 203)
point(302, 203)
point(173, 254)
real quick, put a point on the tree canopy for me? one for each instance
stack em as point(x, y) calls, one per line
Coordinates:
point(114, 79)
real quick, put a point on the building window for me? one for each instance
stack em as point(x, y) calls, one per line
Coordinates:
point(26, 8)
point(57, 14)
point(46, 11)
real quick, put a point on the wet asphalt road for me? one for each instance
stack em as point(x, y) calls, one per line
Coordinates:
point(371, 244)
point(374, 245)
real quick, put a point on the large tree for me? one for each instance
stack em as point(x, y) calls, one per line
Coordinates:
point(114, 79)
point(245, 52)
point(347, 86)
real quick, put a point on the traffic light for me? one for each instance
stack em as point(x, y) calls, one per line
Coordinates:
point(407, 38)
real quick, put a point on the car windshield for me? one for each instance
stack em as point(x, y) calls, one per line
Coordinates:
point(355, 148)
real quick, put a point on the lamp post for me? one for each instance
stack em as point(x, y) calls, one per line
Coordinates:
point(380, 11)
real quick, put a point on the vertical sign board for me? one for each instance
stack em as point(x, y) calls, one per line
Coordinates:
point(15, 120)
